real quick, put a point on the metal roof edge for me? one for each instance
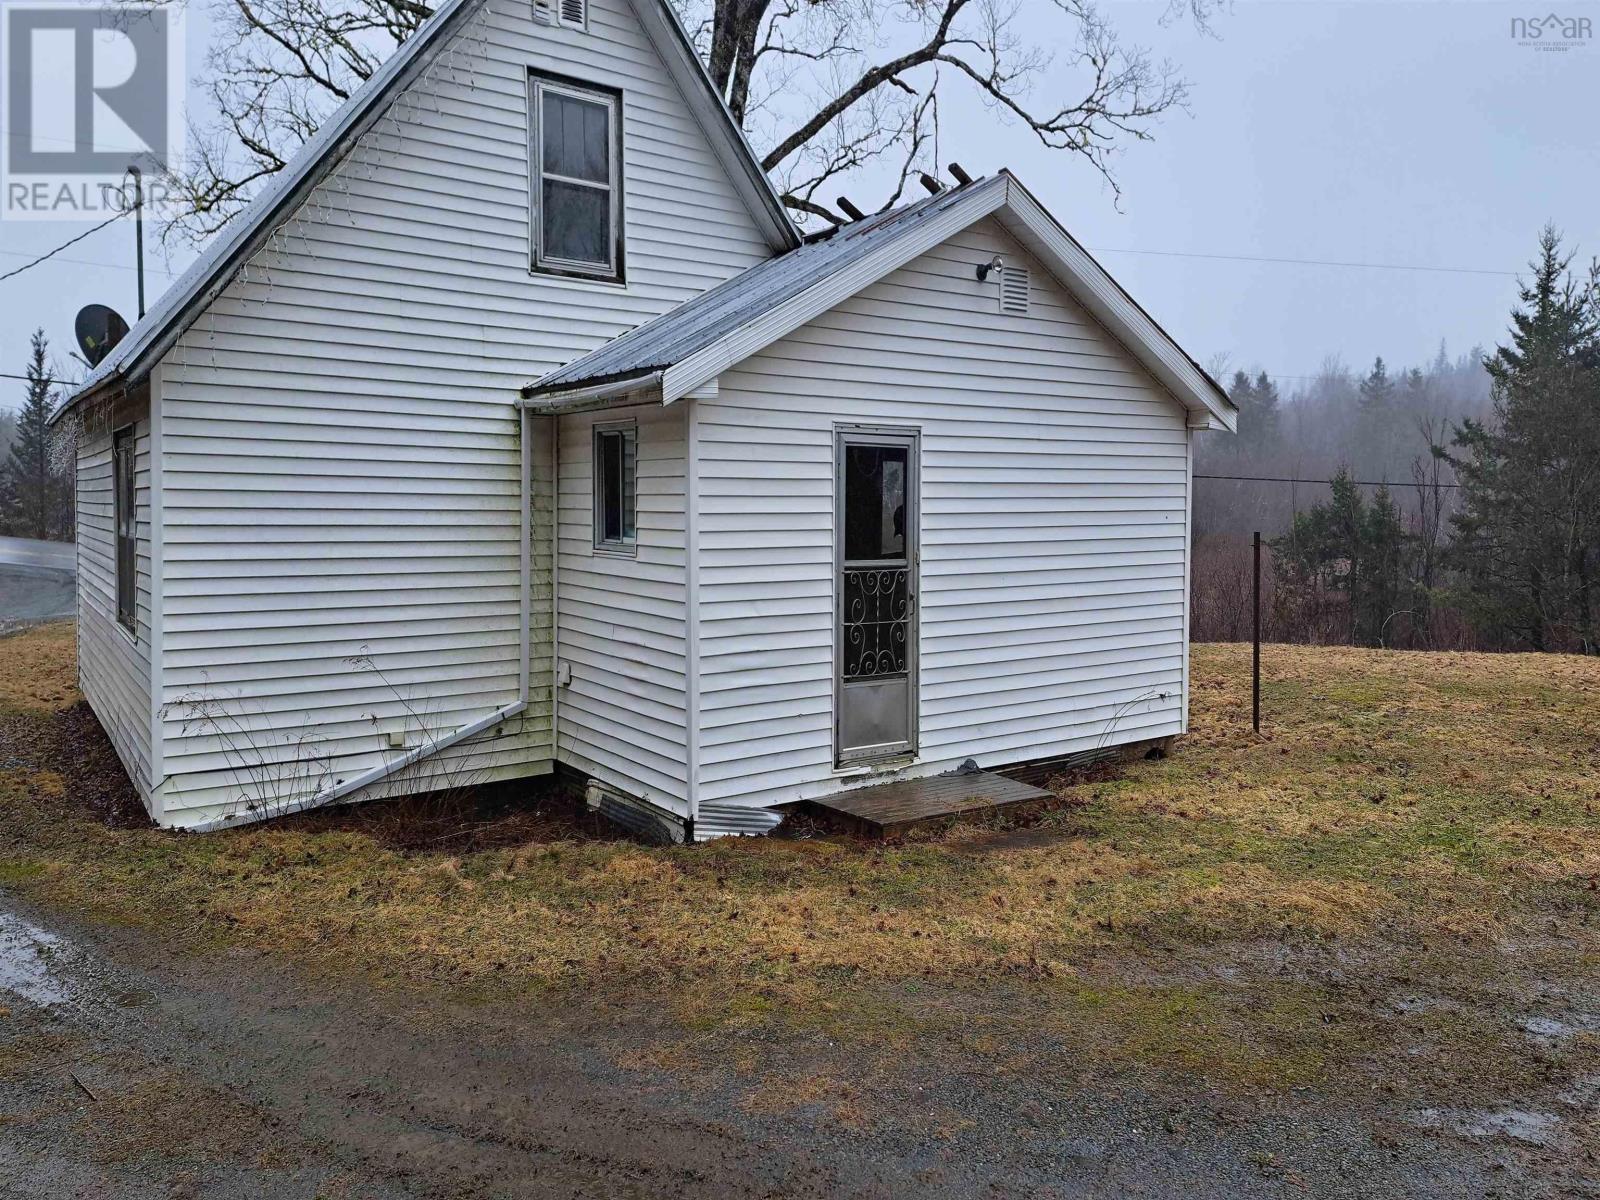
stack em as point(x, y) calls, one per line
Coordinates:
point(900, 247)
point(592, 393)
point(1074, 269)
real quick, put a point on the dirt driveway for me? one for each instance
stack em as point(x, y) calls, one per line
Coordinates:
point(132, 1072)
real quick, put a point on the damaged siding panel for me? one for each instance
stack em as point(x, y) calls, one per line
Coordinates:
point(1054, 483)
point(114, 665)
point(622, 617)
point(342, 446)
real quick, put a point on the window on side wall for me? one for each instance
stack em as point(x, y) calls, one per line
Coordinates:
point(575, 148)
point(616, 489)
point(126, 520)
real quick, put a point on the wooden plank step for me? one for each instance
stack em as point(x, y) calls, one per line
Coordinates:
point(887, 808)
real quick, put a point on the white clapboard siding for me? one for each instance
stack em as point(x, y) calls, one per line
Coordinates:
point(340, 442)
point(621, 619)
point(113, 664)
point(1053, 529)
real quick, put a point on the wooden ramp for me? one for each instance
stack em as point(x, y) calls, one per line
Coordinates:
point(888, 808)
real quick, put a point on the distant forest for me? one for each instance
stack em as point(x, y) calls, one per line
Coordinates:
point(1464, 507)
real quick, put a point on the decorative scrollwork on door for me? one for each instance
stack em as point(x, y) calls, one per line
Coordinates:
point(877, 621)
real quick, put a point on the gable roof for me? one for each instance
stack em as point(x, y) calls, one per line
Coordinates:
point(688, 347)
point(207, 276)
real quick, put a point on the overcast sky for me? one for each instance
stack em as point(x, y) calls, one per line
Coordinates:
point(1419, 135)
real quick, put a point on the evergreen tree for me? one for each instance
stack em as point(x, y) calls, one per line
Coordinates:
point(1258, 412)
point(1528, 536)
point(1343, 568)
point(35, 502)
point(1384, 588)
point(1377, 390)
point(1264, 410)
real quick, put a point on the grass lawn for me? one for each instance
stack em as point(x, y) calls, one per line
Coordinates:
point(1377, 893)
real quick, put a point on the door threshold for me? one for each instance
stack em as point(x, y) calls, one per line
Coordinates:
point(898, 763)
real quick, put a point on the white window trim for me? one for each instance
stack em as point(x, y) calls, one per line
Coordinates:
point(612, 272)
point(625, 547)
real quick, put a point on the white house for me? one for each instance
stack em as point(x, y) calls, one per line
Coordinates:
point(516, 426)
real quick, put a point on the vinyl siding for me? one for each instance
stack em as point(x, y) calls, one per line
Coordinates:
point(1053, 530)
point(340, 444)
point(621, 619)
point(114, 666)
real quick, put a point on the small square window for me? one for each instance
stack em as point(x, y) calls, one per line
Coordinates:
point(616, 473)
point(577, 180)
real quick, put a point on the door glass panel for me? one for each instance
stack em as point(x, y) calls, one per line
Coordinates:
point(874, 502)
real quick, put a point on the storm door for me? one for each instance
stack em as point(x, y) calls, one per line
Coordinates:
point(875, 593)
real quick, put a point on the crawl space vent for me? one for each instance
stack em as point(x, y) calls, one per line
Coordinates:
point(1014, 290)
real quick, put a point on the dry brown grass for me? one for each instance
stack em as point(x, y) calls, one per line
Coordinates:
point(1400, 806)
point(39, 669)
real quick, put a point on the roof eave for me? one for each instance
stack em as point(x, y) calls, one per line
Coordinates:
point(1026, 219)
point(166, 323)
point(638, 387)
point(1123, 316)
point(251, 230)
point(694, 370)
point(727, 139)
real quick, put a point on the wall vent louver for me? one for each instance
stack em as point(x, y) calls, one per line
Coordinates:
point(1014, 290)
point(574, 14)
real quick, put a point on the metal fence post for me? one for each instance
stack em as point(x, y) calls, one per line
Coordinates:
point(1255, 648)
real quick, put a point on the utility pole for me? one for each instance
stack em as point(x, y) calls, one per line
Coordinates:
point(138, 231)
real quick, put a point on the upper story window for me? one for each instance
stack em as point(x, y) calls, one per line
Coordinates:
point(577, 179)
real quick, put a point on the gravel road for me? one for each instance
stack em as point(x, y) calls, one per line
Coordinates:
point(38, 581)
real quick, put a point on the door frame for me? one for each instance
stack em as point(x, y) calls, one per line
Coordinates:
point(910, 436)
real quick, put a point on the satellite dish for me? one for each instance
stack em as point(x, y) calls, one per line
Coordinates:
point(98, 328)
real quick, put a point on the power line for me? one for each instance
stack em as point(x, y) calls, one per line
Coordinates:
point(51, 380)
point(1306, 262)
point(63, 246)
point(74, 143)
point(1292, 479)
point(92, 262)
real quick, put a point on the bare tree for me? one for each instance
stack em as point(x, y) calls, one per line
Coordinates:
point(823, 87)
